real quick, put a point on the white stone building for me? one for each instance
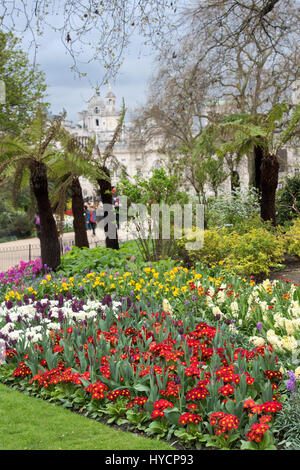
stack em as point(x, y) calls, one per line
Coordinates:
point(100, 120)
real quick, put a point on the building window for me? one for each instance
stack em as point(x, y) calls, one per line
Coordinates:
point(110, 101)
point(96, 110)
point(97, 122)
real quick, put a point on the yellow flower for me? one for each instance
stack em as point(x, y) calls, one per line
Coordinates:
point(297, 372)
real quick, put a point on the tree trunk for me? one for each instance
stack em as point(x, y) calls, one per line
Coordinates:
point(110, 228)
point(266, 172)
point(50, 248)
point(79, 223)
point(269, 183)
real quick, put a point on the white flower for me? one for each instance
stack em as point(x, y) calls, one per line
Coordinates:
point(233, 329)
point(6, 328)
point(53, 326)
point(217, 311)
point(274, 339)
point(234, 306)
point(221, 297)
point(263, 306)
point(210, 291)
point(166, 306)
point(257, 341)
point(289, 326)
point(289, 343)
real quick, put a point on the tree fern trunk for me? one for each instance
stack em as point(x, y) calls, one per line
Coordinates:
point(266, 181)
point(79, 224)
point(50, 248)
point(111, 240)
point(269, 183)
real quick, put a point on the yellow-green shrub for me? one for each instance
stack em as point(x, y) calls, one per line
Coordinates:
point(293, 238)
point(214, 248)
point(255, 252)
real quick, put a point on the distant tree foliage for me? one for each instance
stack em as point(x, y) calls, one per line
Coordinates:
point(25, 87)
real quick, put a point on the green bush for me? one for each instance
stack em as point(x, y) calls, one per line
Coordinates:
point(232, 209)
point(287, 424)
point(288, 200)
point(82, 260)
point(16, 225)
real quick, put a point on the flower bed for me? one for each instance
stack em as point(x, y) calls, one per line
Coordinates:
point(145, 369)
point(266, 313)
point(196, 355)
point(16, 278)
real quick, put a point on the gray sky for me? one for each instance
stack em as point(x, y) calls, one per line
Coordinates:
point(66, 90)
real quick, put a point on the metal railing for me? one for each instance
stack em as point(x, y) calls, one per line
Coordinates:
point(12, 255)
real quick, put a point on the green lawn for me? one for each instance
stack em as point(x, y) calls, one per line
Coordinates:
point(28, 423)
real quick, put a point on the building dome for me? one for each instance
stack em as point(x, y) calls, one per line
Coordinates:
point(110, 94)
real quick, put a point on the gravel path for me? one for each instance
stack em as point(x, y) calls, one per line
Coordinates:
point(290, 273)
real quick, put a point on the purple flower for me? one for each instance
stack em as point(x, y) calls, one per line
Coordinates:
point(292, 376)
point(8, 304)
point(259, 326)
point(291, 385)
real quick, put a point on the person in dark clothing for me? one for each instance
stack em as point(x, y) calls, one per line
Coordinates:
point(87, 217)
point(93, 220)
point(117, 209)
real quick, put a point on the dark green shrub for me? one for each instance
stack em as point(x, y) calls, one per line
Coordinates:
point(287, 424)
point(288, 200)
